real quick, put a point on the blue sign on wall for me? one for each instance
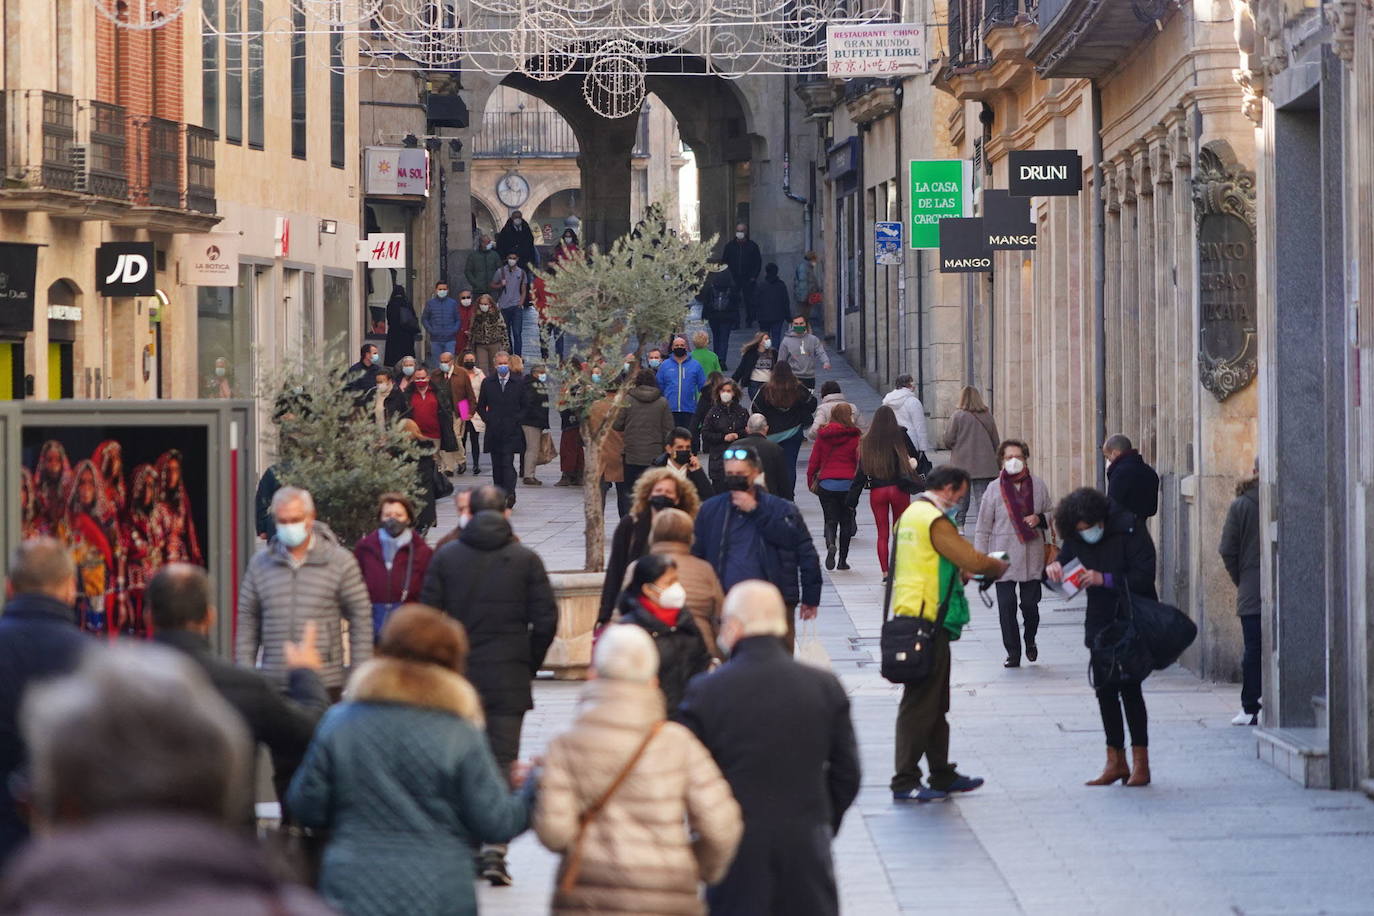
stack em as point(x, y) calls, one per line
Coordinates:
point(887, 243)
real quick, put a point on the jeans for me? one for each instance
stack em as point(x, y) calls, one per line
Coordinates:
point(1006, 613)
point(839, 518)
point(791, 448)
point(1251, 683)
point(1110, 700)
point(622, 497)
point(515, 327)
point(922, 728)
point(888, 504)
point(974, 498)
point(720, 339)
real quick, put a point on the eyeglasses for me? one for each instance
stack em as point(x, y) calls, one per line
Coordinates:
point(737, 454)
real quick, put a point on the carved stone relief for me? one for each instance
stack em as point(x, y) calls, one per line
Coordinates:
point(1224, 209)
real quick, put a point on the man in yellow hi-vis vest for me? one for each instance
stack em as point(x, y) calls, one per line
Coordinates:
point(930, 563)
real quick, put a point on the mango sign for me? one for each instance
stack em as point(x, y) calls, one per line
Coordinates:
point(884, 49)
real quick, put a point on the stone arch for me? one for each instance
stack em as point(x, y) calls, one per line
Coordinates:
point(484, 210)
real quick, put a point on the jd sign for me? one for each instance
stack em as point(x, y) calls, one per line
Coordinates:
point(125, 269)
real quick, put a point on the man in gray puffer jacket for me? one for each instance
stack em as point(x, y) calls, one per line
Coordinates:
point(304, 574)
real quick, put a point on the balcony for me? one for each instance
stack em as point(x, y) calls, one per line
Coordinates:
point(870, 98)
point(1083, 38)
point(87, 160)
point(538, 135)
point(971, 21)
point(819, 94)
point(988, 42)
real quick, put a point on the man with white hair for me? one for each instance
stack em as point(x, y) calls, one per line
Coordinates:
point(621, 768)
point(140, 771)
point(303, 575)
point(771, 456)
point(781, 733)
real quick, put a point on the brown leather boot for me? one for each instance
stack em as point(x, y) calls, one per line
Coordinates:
point(1114, 770)
point(1140, 763)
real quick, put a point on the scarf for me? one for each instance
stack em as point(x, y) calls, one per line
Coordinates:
point(666, 616)
point(1020, 503)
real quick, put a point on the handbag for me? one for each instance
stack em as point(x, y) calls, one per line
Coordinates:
point(1165, 630)
point(572, 866)
point(1051, 550)
point(547, 450)
point(813, 298)
point(442, 485)
point(809, 648)
point(907, 644)
point(1118, 655)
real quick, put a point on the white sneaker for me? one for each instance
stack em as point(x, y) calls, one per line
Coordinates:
point(1245, 718)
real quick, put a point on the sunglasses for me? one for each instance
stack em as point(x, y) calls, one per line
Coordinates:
point(737, 454)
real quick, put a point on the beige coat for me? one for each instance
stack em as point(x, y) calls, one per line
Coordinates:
point(705, 597)
point(972, 441)
point(995, 531)
point(671, 825)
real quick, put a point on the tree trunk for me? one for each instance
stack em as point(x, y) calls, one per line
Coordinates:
point(592, 499)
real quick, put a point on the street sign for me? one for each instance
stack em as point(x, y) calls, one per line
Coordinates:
point(939, 189)
point(1044, 172)
point(964, 246)
point(887, 244)
point(880, 49)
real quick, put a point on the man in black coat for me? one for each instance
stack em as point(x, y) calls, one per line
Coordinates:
point(781, 733)
point(770, 454)
point(358, 377)
point(498, 590)
point(516, 237)
point(179, 599)
point(38, 639)
point(744, 260)
point(500, 405)
point(1130, 481)
point(678, 455)
point(1240, 551)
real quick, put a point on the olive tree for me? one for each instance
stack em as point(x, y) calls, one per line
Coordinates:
point(633, 294)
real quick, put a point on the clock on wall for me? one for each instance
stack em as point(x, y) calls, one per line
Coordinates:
point(513, 190)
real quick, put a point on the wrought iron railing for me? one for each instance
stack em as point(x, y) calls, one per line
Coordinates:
point(59, 134)
point(969, 21)
point(200, 169)
point(525, 134)
point(107, 151)
point(164, 163)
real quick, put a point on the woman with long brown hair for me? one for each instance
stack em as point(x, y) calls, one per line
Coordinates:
point(788, 406)
point(886, 466)
point(756, 359)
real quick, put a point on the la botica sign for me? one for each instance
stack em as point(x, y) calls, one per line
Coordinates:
point(882, 49)
point(213, 260)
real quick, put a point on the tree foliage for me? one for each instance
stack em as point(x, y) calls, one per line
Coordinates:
point(631, 296)
point(331, 445)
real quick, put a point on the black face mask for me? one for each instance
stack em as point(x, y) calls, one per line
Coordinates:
point(679, 351)
point(394, 526)
point(737, 482)
point(682, 456)
point(661, 502)
point(469, 365)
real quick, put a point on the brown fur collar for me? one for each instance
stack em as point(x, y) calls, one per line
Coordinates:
point(390, 680)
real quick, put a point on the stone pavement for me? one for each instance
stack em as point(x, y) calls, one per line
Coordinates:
point(1217, 832)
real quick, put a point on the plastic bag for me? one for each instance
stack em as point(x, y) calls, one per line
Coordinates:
point(809, 648)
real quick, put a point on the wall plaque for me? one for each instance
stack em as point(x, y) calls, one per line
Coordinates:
point(1224, 207)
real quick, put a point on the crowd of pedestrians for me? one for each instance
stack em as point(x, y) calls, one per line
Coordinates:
point(390, 680)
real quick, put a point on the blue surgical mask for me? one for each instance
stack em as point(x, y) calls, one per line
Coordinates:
point(292, 534)
point(1091, 535)
point(543, 377)
point(503, 371)
point(596, 378)
point(654, 363)
point(408, 370)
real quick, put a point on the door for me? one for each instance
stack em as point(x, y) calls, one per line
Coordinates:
point(60, 381)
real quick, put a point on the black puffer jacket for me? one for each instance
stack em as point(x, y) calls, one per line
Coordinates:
point(497, 588)
point(681, 650)
point(1133, 484)
point(1126, 552)
point(534, 404)
point(719, 422)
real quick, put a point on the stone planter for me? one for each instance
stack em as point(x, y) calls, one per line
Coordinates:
point(579, 598)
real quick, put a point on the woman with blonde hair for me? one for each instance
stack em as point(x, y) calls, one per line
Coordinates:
point(972, 440)
point(655, 490)
point(401, 776)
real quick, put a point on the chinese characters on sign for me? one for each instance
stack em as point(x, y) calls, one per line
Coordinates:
point(895, 49)
point(397, 171)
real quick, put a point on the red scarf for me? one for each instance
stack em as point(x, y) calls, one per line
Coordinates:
point(1019, 495)
point(666, 616)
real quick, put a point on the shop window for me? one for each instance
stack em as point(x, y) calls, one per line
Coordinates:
point(338, 306)
point(225, 338)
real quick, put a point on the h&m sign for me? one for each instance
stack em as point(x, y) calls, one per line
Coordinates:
point(125, 269)
point(1044, 172)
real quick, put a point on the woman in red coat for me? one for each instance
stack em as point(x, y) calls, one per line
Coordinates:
point(393, 559)
point(829, 472)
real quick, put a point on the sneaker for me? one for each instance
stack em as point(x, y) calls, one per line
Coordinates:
point(920, 794)
point(964, 784)
point(1246, 718)
point(495, 871)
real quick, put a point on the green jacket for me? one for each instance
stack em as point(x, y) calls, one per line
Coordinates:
point(710, 362)
point(481, 266)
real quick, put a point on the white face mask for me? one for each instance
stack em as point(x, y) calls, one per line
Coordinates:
point(726, 397)
point(466, 300)
point(740, 236)
point(1014, 466)
point(768, 343)
point(673, 597)
point(486, 306)
point(490, 245)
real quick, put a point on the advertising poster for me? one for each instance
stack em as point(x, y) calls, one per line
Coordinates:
point(127, 499)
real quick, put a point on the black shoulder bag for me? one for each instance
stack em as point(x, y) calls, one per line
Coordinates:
point(1119, 656)
point(908, 643)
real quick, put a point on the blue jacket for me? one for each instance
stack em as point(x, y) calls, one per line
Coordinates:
point(788, 558)
point(38, 639)
point(442, 319)
point(402, 777)
point(681, 383)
